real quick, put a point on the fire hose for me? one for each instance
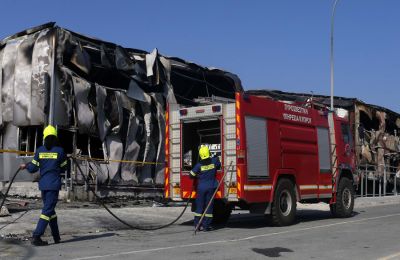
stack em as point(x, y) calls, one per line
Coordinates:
point(100, 200)
point(130, 226)
point(8, 189)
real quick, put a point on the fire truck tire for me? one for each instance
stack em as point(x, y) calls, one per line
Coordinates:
point(344, 199)
point(221, 212)
point(283, 211)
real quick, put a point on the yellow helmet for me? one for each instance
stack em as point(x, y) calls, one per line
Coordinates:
point(49, 130)
point(204, 152)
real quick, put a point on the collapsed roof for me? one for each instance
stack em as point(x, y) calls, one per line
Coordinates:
point(116, 94)
point(341, 102)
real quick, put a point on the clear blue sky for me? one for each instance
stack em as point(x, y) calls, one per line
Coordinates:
point(278, 44)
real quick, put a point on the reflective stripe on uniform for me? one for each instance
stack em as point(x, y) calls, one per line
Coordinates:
point(42, 216)
point(48, 155)
point(192, 173)
point(197, 214)
point(207, 167)
point(208, 215)
point(35, 162)
point(53, 217)
point(64, 163)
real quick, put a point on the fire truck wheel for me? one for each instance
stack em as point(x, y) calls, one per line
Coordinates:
point(221, 212)
point(283, 211)
point(344, 199)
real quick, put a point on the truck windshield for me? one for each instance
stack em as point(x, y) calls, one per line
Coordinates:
point(195, 133)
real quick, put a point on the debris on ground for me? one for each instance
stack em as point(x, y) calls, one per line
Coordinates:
point(4, 212)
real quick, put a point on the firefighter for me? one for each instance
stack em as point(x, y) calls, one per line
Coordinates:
point(205, 172)
point(51, 160)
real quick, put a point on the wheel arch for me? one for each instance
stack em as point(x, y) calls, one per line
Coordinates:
point(344, 173)
point(288, 174)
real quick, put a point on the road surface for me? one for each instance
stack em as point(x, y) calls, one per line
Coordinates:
point(372, 233)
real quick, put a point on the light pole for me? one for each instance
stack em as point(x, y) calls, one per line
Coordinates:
point(330, 116)
point(332, 27)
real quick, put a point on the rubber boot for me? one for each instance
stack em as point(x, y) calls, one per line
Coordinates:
point(207, 224)
point(37, 241)
point(196, 222)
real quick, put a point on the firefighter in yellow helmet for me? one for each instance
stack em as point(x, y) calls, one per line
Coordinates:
point(205, 171)
point(51, 160)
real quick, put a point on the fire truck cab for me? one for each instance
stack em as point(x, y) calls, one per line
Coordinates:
point(274, 153)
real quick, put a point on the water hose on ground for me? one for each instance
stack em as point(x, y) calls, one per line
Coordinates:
point(8, 189)
point(130, 226)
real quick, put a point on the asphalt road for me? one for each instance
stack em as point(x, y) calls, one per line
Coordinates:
point(372, 233)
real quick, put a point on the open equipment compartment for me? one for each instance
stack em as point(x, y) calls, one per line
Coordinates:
point(196, 133)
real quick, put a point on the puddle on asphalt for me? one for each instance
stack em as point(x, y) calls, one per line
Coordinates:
point(272, 252)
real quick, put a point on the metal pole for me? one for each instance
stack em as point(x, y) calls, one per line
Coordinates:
point(362, 181)
point(373, 185)
point(366, 182)
point(395, 184)
point(380, 186)
point(384, 178)
point(332, 65)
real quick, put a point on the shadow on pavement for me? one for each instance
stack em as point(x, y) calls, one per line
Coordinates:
point(314, 215)
point(15, 248)
point(254, 221)
point(89, 237)
point(272, 252)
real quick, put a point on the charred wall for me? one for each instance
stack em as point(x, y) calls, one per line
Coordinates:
point(108, 101)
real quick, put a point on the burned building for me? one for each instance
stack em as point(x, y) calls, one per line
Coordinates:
point(107, 101)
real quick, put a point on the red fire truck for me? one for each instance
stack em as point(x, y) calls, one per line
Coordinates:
point(275, 154)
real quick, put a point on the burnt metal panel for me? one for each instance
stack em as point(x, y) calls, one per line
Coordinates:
point(135, 92)
point(102, 122)
point(114, 148)
point(41, 59)
point(10, 162)
point(149, 148)
point(27, 32)
point(8, 64)
point(22, 82)
point(63, 97)
point(132, 149)
point(160, 154)
point(85, 114)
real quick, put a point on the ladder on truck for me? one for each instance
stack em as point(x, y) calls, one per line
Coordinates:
point(229, 150)
point(174, 152)
point(334, 159)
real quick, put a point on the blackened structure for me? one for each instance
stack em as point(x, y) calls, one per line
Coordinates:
point(108, 101)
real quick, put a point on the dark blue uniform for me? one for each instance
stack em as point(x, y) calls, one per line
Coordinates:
point(51, 164)
point(205, 172)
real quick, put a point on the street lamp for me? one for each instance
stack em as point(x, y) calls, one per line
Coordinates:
point(332, 23)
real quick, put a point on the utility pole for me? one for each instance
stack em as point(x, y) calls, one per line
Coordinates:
point(331, 122)
point(332, 65)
